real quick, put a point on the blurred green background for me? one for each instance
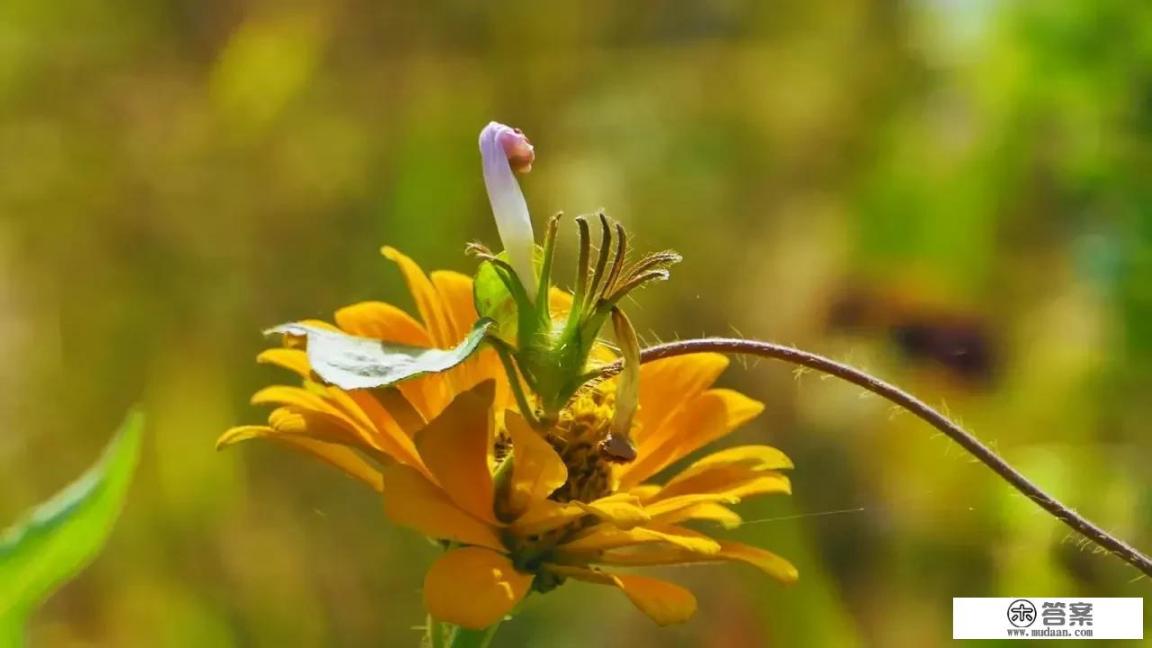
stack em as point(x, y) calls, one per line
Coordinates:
point(954, 194)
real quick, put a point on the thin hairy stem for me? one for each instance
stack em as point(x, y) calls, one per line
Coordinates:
point(921, 410)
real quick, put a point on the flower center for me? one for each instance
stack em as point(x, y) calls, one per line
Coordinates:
point(577, 437)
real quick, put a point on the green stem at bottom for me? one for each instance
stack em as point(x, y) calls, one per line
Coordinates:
point(465, 638)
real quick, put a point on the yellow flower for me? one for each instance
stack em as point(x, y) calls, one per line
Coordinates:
point(517, 508)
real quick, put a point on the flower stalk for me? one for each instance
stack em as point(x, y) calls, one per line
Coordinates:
point(918, 408)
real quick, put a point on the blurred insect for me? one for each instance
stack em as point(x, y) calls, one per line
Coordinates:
point(925, 333)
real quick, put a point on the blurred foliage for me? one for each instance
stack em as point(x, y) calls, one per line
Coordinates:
point(54, 541)
point(973, 176)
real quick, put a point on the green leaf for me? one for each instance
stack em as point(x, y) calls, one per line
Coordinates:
point(352, 362)
point(494, 301)
point(57, 539)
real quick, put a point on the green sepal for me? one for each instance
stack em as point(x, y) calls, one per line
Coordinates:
point(499, 296)
point(494, 300)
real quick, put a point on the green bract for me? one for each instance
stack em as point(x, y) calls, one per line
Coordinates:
point(553, 357)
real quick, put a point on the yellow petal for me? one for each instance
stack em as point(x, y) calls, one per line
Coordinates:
point(321, 324)
point(619, 510)
point(297, 397)
point(413, 501)
point(756, 457)
point(327, 415)
point(455, 448)
point(536, 470)
point(427, 299)
point(710, 511)
point(295, 360)
point(762, 559)
point(673, 504)
point(543, 516)
point(654, 555)
point(300, 341)
point(295, 421)
point(665, 603)
point(394, 440)
point(242, 433)
point(667, 384)
point(559, 303)
point(644, 491)
point(732, 483)
point(702, 420)
point(606, 536)
point(473, 587)
point(336, 455)
point(343, 401)
point(400, 408)
point(455, 292)
point(383, 322)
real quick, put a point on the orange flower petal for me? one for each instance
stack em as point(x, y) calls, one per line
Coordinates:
point(700, 421)
point(710, 511)
point(394, 439)
point(329, 415)
point(756, 457)
point(427, 299)
point(473, 587)
point(536, 470)
point(296, 397)
point(732, 483)
point(382, 321)
point(243, 433)
point(299, 422)
point(339, 456)
point(620, 511)
point(762, 559)
point(644, 492)
point(544, 515)
point(667, 384)
point(606, 536)
point(294, 360)
point(665, 603)
point(654, 555)
point(671, 505)
point(455, 447)
point(559, 303)
point(411, 500)
point(398, 407)
point(455, 292)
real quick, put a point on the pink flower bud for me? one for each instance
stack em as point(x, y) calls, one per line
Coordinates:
point(502, 149)
point(519, 150)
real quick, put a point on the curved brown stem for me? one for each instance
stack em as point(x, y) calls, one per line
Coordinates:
point(921, 410)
